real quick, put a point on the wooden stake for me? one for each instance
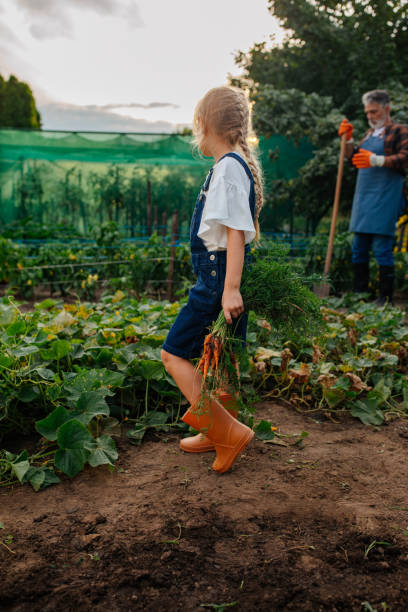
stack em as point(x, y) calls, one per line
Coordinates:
point(174, 237)
point(324, 289)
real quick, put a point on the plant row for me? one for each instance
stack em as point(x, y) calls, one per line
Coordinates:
point(74, 373)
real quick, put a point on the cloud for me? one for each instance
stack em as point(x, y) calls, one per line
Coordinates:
point(7, 35)
point(52, 18)
point(62, 116)
point(131, 105)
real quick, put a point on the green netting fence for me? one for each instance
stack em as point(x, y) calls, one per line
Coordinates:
point(82, 179)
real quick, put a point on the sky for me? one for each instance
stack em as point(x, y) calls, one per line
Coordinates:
point(126, 65)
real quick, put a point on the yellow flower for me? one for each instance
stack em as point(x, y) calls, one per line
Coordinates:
point(83, 284)
point(29, 282)
point(132, 256)
point(319, 257)
point(72, 257)
point(117, 313)
point(112, 334)
point(119, 295)
point(19, 266)
point(51, 336)
point(274, 429)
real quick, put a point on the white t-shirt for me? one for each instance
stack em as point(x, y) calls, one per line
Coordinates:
point(226, 205)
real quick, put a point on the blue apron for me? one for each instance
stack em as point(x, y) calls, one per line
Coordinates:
point(186, 337)
point(378, 198)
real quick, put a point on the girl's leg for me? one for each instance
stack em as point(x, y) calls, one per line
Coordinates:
point(186, 376)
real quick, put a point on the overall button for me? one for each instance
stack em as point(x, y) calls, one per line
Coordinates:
point(213, 273)
point(212, 257)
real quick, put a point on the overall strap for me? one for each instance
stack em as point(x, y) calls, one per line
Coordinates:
point(207, 180)
point(241, 161)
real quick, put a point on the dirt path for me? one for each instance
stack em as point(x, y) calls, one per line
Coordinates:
point(285, 529)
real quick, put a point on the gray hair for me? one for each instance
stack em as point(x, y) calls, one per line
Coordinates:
point(376, 96)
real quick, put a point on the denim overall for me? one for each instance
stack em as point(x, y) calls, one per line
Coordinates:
point(378, 202)
point(186, 337)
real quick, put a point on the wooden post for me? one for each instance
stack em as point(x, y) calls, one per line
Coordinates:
point(149, 209)
point(174, 236)
point(155, 218)
point(335, 205)
point(324, 289)
point(164, 224)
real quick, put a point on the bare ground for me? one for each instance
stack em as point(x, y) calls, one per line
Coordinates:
point(286, 529)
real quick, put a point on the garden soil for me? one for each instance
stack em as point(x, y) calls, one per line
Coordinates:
point(318, 525)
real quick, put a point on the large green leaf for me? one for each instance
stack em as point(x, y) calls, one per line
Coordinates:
point(73, 435)
point(48, 427)
point(150, 369)
point(70, 461)
point(263, 431)
point(367, 411)
point(45, 373)
point(23, 351)
point(104, 453)
point(7, 314)
point(58, 350)
point(16, 328)
point(90, 380)
point(5, 361)
point(333, 396)
point(46, 304)
point(20, 467)
point(28, 393)
point(91, 404)
point(76, 444)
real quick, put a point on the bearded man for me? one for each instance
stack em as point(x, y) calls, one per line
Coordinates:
point(379, 199)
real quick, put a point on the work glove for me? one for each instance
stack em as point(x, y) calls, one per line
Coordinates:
point(346, 127)
point(367, 159)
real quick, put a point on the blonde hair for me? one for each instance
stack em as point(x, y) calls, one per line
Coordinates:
point(226, 111)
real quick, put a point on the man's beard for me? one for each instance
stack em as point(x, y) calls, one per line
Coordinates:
point(378, 123)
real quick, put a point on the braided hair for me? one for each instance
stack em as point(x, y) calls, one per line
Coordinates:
point(226, 111)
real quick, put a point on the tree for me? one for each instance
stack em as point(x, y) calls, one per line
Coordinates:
point(17, 105)
point(337, 49)
point(303, 88)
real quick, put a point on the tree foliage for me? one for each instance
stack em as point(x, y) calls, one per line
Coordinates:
point(333, 52)
point(17, 105)
point(337, 49)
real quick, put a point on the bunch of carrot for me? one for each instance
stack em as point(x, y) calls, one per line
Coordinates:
point(219, 363)
point(277, 291)
point(213, 357)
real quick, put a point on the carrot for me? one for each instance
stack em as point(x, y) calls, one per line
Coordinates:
point(206, 365)
point(217, 351)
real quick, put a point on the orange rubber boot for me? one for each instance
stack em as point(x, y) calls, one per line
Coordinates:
point(200, 443)
point(228, 435)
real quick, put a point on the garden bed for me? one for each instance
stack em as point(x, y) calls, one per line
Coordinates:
point(315, 526)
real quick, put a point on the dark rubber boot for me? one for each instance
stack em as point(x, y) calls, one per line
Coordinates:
point(361, 276)
point(386, 285)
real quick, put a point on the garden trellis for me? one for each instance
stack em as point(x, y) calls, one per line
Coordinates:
point(72, 187)
point(138, 180)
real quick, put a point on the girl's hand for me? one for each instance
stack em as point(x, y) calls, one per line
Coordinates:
point(232, 304)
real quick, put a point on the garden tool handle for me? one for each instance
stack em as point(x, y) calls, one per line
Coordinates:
point(335, 204)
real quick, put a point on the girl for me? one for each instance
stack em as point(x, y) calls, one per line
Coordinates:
point(225, 221)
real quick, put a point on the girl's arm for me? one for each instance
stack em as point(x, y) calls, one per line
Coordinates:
point(232, 302)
